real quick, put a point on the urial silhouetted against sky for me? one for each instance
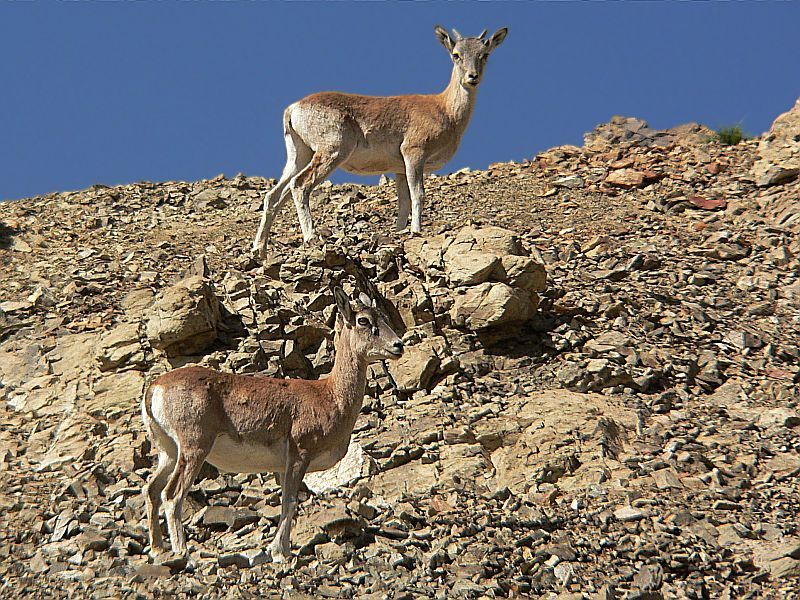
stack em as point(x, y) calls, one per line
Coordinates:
point(129, 91)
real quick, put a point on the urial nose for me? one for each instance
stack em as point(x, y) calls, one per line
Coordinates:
point(397, 347)
point(472, 77)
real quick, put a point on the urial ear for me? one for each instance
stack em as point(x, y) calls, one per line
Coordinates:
point(343, 304)
point(497, 38)
point(366, 301)
point(444, 38)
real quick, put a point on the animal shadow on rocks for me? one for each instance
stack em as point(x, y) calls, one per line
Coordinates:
point(537, 339)
point(6, 233)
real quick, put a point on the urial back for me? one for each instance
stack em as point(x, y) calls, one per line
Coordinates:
point(247, 424)
point(368, 135)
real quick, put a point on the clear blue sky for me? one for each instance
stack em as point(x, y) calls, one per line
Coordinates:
point(115, 92)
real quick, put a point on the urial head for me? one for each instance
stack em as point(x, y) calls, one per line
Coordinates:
point(370, 333)
point(469, 54)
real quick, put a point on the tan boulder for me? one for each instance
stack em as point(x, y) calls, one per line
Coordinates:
point(525, 273)
point(411, 479)
point(413, 302)
point(626, 178)
point(419, 363)
point(424, 252)
point(121, 347)
point(470, 267)
point(184, 318)
point(494, 240)
point(492, 305)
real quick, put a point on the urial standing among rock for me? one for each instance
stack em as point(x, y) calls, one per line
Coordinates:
point(245, 424)
point(369, 135)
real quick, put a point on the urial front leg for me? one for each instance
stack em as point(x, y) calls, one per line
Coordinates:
point(403, 201)
point(280, 548)
point(415, 168)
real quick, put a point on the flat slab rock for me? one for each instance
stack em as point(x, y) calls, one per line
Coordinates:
point(536, 448)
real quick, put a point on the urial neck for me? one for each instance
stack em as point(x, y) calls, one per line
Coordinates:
point(458, 100)
point(348, 378)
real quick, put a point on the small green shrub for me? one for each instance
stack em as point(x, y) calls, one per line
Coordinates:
point(730, 136)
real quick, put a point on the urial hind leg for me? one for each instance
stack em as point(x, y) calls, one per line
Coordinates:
point(186, 469)
point(296, 465)
point(322, 164)
point(298, 155)
point(152, 497)
point(403, 201)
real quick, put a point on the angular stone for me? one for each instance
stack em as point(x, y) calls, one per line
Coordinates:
point(781, 558)
point(424, 252)
point(628, 513)
point(355, 465)
point(148, 571)
point(533, 432)
point(413, 479)
point(419, 363)
point(244, 560)
point(778, 417)
point(629, 178)
point(470, 268)
point(571, 182)
point(185, 318)
point(666, 479)
point(229, 517)
point(120, 347)
point(524, 273)
point(496, 240)
point(492, 305)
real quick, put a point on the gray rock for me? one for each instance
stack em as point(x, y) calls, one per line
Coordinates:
point(229, 517)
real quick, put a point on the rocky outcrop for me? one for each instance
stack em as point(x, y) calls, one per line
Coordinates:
point(632, 131)
point(494, 284)
point(779, 150)
point(634, 436)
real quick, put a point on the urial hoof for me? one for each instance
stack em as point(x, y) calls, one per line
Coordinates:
point(278, 555)
point(158, 550)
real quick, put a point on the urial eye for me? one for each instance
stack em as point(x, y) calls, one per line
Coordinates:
point(364, 321)
point(456, 56)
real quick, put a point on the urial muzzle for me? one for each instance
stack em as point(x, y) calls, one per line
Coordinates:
point(396, 349)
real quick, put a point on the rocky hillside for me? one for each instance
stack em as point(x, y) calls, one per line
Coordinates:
point(599, 397)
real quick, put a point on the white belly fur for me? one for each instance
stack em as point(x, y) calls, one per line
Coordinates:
point(233, 456)
point(325, 460)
